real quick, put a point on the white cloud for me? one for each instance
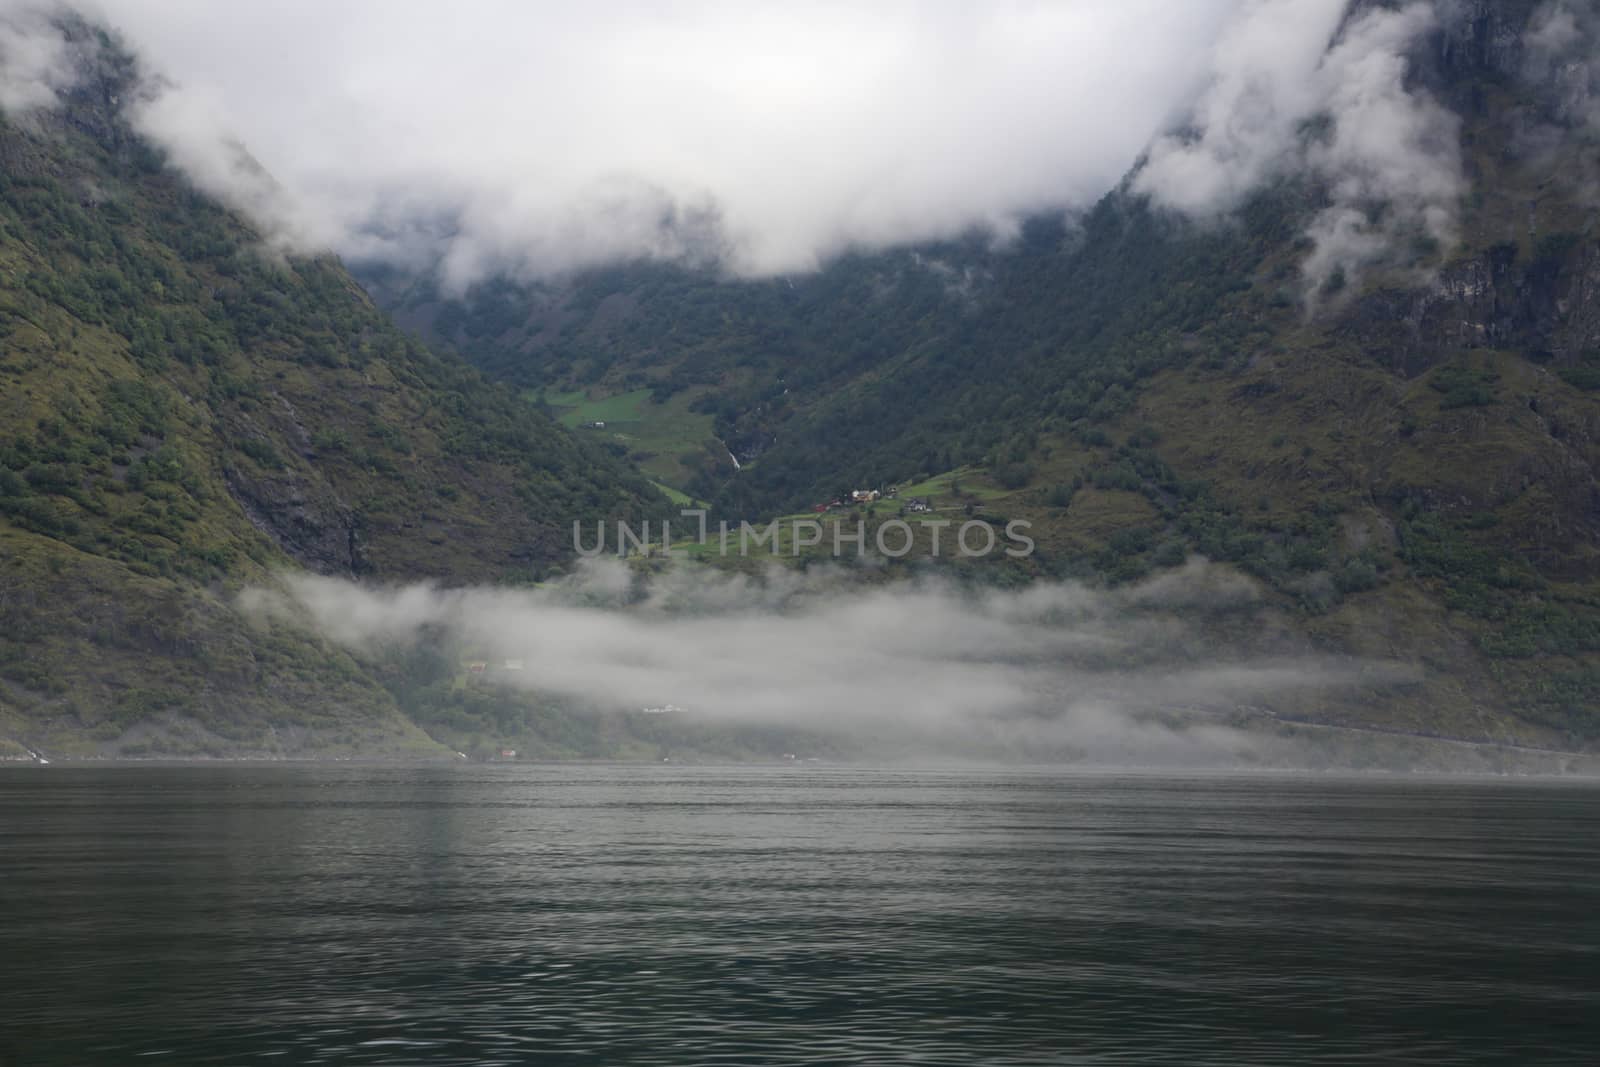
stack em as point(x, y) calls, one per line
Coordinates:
point(814, 649)
point(1391, 151)
point(35, 61)
point(492, 135)
point(1389, 155)
point(550, 136)
point(1242, 130)
point(196, 133)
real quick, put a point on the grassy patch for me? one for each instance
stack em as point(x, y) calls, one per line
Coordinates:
point(682, 499)
point(667, 441)
point(955, 487)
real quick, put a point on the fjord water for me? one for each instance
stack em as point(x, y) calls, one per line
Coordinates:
point(679, 915)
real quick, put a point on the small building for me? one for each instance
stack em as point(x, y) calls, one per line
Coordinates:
point(508, 753)
point(512, 665)
point(477, 666)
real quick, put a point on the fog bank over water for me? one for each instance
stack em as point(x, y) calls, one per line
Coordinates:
point(1055, 664)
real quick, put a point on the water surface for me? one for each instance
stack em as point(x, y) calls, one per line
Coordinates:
point(342, 914)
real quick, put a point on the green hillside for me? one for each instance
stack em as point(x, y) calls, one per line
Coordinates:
point(184, 413)
point(666, 439)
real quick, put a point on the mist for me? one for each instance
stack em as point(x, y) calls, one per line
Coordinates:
point(33, 60)
point(1052, 664)
point(1299, 90)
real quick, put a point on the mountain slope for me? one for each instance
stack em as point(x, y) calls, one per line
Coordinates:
point(182, 413)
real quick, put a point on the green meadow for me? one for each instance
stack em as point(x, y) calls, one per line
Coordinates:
point(666, 441)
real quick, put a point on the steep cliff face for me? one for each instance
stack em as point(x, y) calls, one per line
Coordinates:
point(1476, 43)
point(1537, 296)
point(1520, 77)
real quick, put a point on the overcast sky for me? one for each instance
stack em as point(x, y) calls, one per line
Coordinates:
point(565, 133)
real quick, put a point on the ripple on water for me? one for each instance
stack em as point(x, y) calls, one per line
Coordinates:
point(704, 916)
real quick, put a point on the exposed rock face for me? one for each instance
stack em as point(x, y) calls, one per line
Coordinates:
point(1539, 52)
point(1474, 39)
point(308, 522)
point(1546, 306)
point(302, 511)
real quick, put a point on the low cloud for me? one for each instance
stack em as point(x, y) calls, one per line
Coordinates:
point(1243, 130)
point(495, 136)
point(35, 59)
point(1392, 156)
point(532, 140)
point(1062, 664)
point(201, 143)
point(1297, 91)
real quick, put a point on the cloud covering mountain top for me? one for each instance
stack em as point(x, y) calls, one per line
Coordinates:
point(492, 136)
point(542, 137)
point(1380, 141)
